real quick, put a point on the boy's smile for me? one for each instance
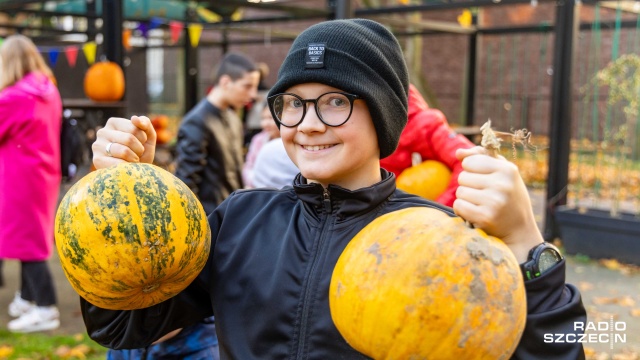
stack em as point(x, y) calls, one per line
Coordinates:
point(316, 147)
point(346, 155)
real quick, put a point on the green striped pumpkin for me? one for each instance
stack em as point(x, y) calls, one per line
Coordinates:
point(131, 236)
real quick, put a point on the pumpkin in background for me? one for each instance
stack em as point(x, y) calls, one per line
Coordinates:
point(161, 125)
point(163, 136)
point(131, 236)
point(418, 284)
point(428, 179)
point(160, 122)
point(104, 81)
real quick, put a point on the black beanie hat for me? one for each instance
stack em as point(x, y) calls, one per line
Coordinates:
point(357, 56)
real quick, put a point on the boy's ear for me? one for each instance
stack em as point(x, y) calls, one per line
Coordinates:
point(224, 80)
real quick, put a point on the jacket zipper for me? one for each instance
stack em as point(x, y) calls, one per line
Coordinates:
point(314, 264)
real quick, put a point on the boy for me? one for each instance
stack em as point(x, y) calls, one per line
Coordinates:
point(342, 86)
point(209, 149)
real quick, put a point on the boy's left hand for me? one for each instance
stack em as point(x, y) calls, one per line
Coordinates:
point(493, 197)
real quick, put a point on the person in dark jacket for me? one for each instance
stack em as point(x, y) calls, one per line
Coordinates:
point(341, 103)
point(209, 155)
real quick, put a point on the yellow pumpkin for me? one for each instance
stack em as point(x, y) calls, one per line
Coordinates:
point(428, 179)
point(131, 236)
point(418, 284)
point(104, 81)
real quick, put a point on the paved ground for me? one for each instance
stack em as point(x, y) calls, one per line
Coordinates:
point(608, 293)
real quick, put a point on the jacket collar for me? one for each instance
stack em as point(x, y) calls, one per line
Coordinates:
point(344, 202)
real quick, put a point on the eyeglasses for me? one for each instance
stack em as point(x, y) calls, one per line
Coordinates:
point(333, 108)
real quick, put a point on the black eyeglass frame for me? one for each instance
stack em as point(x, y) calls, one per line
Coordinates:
point(271, 99)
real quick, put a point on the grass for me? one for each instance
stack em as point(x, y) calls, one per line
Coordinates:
point(38, 346)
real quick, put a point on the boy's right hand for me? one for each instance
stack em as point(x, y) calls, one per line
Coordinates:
point(131, 141)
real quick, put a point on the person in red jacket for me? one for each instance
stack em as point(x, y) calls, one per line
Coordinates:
point(428, 133)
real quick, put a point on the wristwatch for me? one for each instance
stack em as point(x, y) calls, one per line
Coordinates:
point(541, 258)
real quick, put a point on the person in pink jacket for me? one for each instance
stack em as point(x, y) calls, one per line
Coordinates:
point(30, 122)
point(428, 133)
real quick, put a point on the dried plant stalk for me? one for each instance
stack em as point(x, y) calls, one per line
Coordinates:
point(489, 140)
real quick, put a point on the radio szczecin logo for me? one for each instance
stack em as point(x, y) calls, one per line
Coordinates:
point(600, 332)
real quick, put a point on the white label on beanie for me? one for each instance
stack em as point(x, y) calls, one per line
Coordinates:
point(315, 56)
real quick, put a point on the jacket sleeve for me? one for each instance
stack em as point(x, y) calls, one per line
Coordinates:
point(191, 152)
point(553, 307)
point(133, 329)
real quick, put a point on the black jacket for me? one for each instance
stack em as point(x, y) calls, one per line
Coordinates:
point(268, 275)
point(209, 153)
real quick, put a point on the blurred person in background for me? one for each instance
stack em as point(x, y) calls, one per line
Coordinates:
point(269, 132)
point(273, 167)
point(252, 113)
point(428, 134)
point(30, 175)
point(210, 138)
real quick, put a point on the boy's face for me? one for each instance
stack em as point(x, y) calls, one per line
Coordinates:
point(242, 91)
point(347, 155)
point(268, 124)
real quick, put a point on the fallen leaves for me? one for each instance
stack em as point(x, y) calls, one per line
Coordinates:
point(616, 300)
point(625, 354)
point(625, 269)
point(585, 286)
point(594, 177)
point(5, 351)
point(77, 352)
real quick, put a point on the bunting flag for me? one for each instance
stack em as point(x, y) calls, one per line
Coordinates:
point(144, 29)
point(237, 15)
point(126, 39)
point(176, 28)
point(53, 57)
point(89, 50)
point(155, 23)
point(211, 17)
point(466, 18)
point(71, 53)
point(195, 30)
point(208, 15)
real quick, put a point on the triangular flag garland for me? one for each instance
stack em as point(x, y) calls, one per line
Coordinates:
point(71, 53)
point(175, 28)
point(155, 23)
point(195, 30)
point(143, 28)
point(53, 57)
point(89, 49)
point(465, 19)
point(208, 15)
point(126, 39)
